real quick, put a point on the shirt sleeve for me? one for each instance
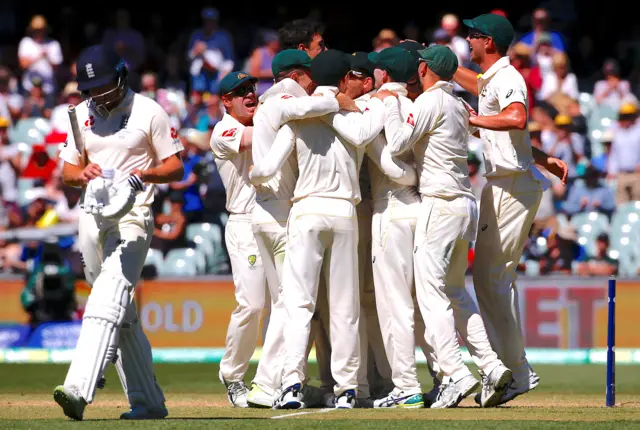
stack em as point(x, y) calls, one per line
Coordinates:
point(359, 128)
point(612, 162)
point(402, 135)
point(282, 147)
point(397, 170)
point(164, 138)
point(55, 53)
point(225, 141)
point(291, 108)
point(511, 92)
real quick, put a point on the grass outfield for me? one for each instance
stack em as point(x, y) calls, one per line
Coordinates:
point(568, 397)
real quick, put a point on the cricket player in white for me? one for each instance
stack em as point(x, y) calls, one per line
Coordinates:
point(231, 145)
point(438, 131)
point(126, 141)
point(511, 197)
point(322, 235)
point(288, 99)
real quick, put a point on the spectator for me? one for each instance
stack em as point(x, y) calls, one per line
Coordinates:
point(40, 165)
point(39, 55)
point(600, 264)
point(562, 250)
point(624, 159)
point(459, 45)
point(10, 103)
point(194, 142)
point(60, 113)
point(210, 52)
point(196, 110)
point(521, 60)
point(593, 196)
point(567, 145)
point(10, 164)
point(149, 85)
point(601, 161)
point(171, 229)
point(37, 103)
point(612, 91)
point(385, 39)
point(561, 81)
point(260, 61)
point(540, 24)
point(440, 37)
point(173, 77)
point(544, 52)
point(126, 41)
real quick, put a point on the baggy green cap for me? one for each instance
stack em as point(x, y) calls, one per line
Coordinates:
point(441, 60)
point(289, 59)
point(495, 26)
point(399, 63)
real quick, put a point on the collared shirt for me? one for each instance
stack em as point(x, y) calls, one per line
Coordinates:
point(625, 149)
point(136, 135)
point(233, 165)
point(505, 152)
point(438, 131)
point(283, 102)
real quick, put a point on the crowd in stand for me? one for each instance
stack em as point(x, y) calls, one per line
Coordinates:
point(586, 227)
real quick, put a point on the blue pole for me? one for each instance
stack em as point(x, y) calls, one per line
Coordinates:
point(611, 344)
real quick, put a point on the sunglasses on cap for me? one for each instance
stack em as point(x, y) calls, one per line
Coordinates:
point(242, 91)
point(477, 35)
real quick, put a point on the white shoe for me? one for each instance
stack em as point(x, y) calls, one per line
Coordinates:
point(452, 393)
point(236, 393)
point(259, 398)
point(346, 400)
point(494, 386)
point(140, 412)
point(291, 398)
point(70, 401)
point(514, 390)
point(399, 399)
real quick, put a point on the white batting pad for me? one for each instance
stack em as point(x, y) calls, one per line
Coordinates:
point(135, 365)
point(97, 343)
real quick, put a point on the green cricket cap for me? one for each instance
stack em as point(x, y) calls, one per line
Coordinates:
point(360, 62)
point(495, 26)
point(411, 46)
point(441, 60)
point(289, 59)
point(330, 67)
point(400, 64)
point(233, 80)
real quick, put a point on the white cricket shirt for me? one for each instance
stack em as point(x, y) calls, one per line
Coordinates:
point(438, 131)
point(136, 135)
point(233, 165)
point(283, 102)
point(505, 152)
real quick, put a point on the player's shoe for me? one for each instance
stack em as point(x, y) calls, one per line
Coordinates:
point(514, 389)
point(259, 398)
point(399, 399)
point(364, 402)
point(291, 398)
point(70, 401)
point(452, 393)
point(430, 397)
point(140, 412)
point(346, 400)
point(236, 392)
point(494, 386)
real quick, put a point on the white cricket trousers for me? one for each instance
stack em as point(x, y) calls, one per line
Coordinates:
point(250, 290)
point(393, 230)
point(375, 370)
point(322, 236)
point(507, 209)
point(115, 251)
point(444, 230)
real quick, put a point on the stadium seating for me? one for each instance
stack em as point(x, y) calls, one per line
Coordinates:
point(211, 233)
point(589, 225)
point(183, 262)
point(154, 258)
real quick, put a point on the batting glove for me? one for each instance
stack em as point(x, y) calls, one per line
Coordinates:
point(122, 197)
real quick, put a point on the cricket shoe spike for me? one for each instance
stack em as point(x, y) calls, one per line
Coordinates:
point(71, 402)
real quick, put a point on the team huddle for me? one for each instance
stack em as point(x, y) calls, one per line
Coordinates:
point(351, 215)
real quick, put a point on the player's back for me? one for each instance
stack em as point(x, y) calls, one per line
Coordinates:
point(328, 167)
point(382, 187)
point(442, 153)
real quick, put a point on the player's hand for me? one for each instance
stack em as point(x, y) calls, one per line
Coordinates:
point(90, 172)
point(139, 173)
point(383, 94)
point(346, 103)
point(556, 167)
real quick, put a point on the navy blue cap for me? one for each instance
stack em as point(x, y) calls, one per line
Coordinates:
point(233, 80)
point(97, 66)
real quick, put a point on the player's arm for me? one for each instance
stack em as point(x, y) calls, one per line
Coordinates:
point(359, 128)
point(554, 165)
point(402, 135)
point(74, 171)
point(291, 108)
point(282, 147)
point(467, 79)
point(512, 99)
point(167, 147)
point(246, 139)
point(397, 170)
